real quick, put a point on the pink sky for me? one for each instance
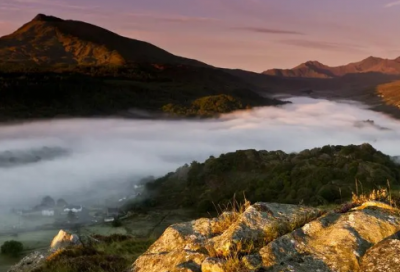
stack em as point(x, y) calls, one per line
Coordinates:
point(247, 34)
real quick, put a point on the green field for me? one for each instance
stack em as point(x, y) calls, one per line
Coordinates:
point(35, 240)
point(138, 225)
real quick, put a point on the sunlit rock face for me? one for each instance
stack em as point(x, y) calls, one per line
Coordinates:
point(64, 239)
point(278, 237)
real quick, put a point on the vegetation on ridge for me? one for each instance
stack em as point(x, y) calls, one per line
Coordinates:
point(316, 177)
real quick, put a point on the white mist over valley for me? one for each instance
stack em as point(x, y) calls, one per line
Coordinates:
point(62, 157)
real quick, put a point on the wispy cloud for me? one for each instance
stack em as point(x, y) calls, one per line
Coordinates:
point(171, 18)
point(330, 46)
point(268, 30)
point(392, 4)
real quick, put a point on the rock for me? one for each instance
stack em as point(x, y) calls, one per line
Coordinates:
point(262, 223)
point(335, 242)
point(29, 263)
point(277, 237)
point(173, 261)
point(188, 236)
point(213, 265)
point(252, 262)
point(382, 257)
point(63, 239)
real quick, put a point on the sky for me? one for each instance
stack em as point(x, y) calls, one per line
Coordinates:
point(254, 35)
point(113, 151)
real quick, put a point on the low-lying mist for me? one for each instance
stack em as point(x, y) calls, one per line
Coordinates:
point(64, 157)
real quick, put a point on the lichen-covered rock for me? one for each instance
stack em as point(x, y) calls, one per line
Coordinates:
point(262, 223)
point(173, 261)
point(382, 257)
point(269, 237)
point(335, 242)
point(29, 263)
point(213, 265)
point(189, 236)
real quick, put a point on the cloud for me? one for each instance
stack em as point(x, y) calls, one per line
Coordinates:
point(172, 18)
point(330, 46)
point(268, 30)
point(110, 152)
point(392, 4)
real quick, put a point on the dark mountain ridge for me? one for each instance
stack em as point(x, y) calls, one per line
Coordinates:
point(48, 40)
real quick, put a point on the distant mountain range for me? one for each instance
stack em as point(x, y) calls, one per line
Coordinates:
point(315, 69)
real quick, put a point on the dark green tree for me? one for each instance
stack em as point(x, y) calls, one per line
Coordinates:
point(12, 248)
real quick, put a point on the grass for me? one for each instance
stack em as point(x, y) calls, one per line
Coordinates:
point(113, 253)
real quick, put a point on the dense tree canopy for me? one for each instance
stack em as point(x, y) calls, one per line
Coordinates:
point(316, 176)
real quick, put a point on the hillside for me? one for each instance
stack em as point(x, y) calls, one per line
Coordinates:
point(390, 93)
point(315, 69)
point(49, 41)
point(52, 67)
point(315, 177)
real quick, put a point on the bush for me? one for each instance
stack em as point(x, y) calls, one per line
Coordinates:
point(12, 248)
point(117, 223)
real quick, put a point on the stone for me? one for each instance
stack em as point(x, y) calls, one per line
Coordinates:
point(337, 240)
point(262, 223)
point(382, 257)
point(63, 239)
point(173, 261)
point(213, 265)
point(29, 263)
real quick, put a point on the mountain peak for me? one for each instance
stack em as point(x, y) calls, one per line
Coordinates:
point(46, 18)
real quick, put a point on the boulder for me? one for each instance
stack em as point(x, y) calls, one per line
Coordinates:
point(192, 242)
point(64, 239)
point(334, 242)
point(173, 261)
point(383, 257)
point(29, 263)
point(260, 224)
point(277, 237)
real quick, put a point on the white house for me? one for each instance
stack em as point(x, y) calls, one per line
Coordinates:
point(48, 212)
point(74, 209)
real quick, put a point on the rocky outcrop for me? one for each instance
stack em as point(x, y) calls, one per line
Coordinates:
point(29, 263)
point(64, 239)
point(194, 242)
point(279, 237)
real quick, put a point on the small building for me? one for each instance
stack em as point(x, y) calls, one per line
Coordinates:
point(73, 208)
point(48, 212)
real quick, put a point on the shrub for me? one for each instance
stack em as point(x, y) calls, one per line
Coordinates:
point(117, 222)
point(12, 248)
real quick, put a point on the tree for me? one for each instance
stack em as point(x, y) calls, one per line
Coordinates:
point(12, 248)
point(61, 203)
point(71, 216)
point(117, 222)
point(48, 201)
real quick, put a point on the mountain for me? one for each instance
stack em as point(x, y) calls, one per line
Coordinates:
point(47, 40)
point(52, 67)
point(315, 69)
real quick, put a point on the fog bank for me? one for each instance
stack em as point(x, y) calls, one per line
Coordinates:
point(94, 151)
